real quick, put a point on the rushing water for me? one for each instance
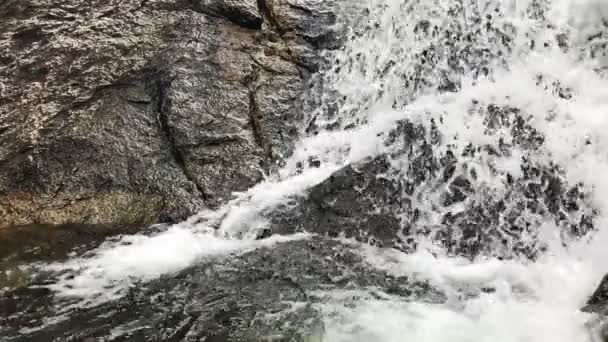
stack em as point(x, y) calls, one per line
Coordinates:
point(432, 62)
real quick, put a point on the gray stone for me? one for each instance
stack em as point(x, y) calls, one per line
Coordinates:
point(131, 112)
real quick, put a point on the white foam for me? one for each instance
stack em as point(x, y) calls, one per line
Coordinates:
point(243, 214)
point(485, 319)
point(115, 266)
point(532, 301)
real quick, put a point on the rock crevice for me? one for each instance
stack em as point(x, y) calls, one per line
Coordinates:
point(164, 123)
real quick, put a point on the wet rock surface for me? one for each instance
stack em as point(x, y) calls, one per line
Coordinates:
point(394, 199)
point(245, 13)
point(267, 294)
point(598, 302)
point(356, 201)
point(135, 112)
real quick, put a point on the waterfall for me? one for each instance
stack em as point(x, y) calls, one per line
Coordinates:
point(491, 117)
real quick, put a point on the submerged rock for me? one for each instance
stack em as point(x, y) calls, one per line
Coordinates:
point(144, 111)
point(264, 295)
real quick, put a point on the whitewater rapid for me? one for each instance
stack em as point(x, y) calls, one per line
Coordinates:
point(530, 301)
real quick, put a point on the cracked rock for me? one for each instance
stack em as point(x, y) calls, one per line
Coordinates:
point(134, 112)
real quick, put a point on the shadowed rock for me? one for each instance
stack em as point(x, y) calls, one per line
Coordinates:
point(311, 19)
point(243, 12)
point(598, 302)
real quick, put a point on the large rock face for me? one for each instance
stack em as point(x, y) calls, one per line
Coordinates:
point(131, 112)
